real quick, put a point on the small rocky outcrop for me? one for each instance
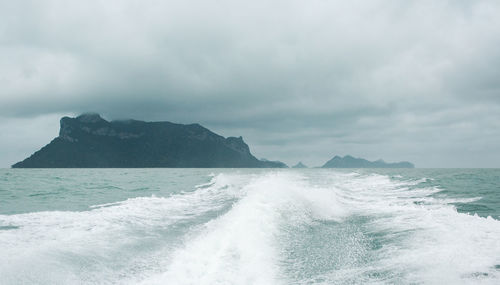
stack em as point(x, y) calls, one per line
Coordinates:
point(299, 165)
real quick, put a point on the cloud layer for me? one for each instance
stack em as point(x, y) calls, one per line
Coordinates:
point(299, 80)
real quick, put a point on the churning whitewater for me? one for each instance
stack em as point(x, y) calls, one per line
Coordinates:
point(249, 227)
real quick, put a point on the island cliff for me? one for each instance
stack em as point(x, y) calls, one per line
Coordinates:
point(352, 162)
point(91, 141)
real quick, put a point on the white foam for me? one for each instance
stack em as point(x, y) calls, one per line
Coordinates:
point(241, 247)
point(46, 241)
point(228, 231)
point(433, 243)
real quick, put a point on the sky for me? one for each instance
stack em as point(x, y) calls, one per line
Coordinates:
point(300, 80)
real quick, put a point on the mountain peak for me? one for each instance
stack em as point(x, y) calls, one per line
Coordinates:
point(299, 165)
point(90, 118)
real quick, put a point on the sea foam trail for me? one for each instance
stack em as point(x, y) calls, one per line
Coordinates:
point(273, 227)
point(111, 243)
point(242, 246)
point(424, 238)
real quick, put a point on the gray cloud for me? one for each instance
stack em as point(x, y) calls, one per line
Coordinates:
point(300, 80)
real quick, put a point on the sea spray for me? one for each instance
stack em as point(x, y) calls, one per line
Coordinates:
point(211, 226)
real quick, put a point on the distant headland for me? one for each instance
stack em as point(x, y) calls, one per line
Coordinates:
point(89, 141)
point(353, 162)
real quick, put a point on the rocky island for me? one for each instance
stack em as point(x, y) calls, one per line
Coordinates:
point(353, 162)
point(299, 165)
point(90, 141)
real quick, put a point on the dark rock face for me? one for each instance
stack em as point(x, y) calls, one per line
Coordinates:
point(299, 165)
point(91, 141)
point(352, 162)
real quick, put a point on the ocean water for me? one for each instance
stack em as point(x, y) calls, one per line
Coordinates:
point(249, 226)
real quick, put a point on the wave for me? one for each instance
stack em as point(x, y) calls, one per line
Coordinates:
point(83, 246)
point(276, 227)
point(241, 246)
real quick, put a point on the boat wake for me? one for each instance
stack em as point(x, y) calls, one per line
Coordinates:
point(277, 227)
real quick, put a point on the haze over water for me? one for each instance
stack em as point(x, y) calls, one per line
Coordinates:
point(249, 226)
point(214, 83)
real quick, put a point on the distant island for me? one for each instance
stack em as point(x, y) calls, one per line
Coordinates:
point(299, 165)
point(89, 141)
point(353, 162)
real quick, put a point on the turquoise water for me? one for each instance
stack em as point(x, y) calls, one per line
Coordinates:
point(249, 226)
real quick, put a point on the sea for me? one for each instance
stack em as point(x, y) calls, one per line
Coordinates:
point(249, 226)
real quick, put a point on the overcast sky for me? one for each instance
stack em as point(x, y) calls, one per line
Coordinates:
point(299, 80)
